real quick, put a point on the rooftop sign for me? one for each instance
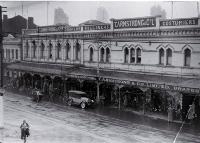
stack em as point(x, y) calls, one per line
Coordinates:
point(97, 27)
point(58, 28)
point(134, 23)
point(179, 22)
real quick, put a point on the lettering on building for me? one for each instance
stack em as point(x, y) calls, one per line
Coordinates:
point(134, 23)
point(179, 22)
point(96, 27)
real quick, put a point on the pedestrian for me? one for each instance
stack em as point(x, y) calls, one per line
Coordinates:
point(24, 129)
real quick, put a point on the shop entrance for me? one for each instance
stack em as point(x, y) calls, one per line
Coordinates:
point(189, 99)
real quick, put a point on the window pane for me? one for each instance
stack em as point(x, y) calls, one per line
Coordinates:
point(138, 55)
point(169, 57)
point(132, 55)
point(161, 55)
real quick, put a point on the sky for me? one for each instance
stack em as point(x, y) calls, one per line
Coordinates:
point(80, 11)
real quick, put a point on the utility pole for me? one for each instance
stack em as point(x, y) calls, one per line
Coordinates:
point(1, 68)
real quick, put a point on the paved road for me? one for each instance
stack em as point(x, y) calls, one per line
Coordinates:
point(55, 124)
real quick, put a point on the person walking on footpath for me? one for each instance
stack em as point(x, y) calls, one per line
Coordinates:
point(24, 130)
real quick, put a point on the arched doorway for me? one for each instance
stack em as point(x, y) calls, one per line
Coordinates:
point(132, 97)
point(37, 81)
point(90, 87)
point(106, 92)
point(27, 80)
point(72, 84)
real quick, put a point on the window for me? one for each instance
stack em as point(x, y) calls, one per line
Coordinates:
point(67, 51)
point(107, 55)
point(34, 49)
point(126, 55)
point(27, 49)
point(169, 57)
point(187, 57)
point(16, 52)
point(132, 60)
point(58, 51)
point(161, 56)
point(138, 55)
point(77, 51)
point(13, 53)
point(91, 54)
point(102, 55)
point(50, 51)
point(42, 51)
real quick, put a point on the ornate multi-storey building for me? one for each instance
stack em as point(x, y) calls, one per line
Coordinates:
point(144, 63)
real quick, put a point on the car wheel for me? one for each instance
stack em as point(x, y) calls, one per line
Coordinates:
point(83, 105)
point(69, 103)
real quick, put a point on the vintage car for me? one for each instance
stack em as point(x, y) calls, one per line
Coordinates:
point(79, 98)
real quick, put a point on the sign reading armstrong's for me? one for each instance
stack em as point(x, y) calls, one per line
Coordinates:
point(179, 22)
point(134, 23)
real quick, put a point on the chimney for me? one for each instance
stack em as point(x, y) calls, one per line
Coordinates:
point(5, 17)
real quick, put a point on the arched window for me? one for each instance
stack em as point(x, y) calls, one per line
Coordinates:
point(34, 49)
point(132, 60)
point(91, 54)
point(50, 50)
point(58, 51)
point(27, 49)
point(42, 51)
point(161, 56)
point(107, 55)
point(169, 57)
point(126, 55)
point(187, 57)
point(67, 51)
point(77, 51)
point(102, 55)
point(138, 55)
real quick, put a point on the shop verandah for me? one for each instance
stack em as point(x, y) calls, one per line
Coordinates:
point(134, 91)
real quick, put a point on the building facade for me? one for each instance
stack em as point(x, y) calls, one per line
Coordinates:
point(146, 63)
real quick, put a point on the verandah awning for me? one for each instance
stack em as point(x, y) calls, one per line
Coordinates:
point(180, 84)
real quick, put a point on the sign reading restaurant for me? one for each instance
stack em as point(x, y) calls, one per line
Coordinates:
point(134, 23)
point(179, 22)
